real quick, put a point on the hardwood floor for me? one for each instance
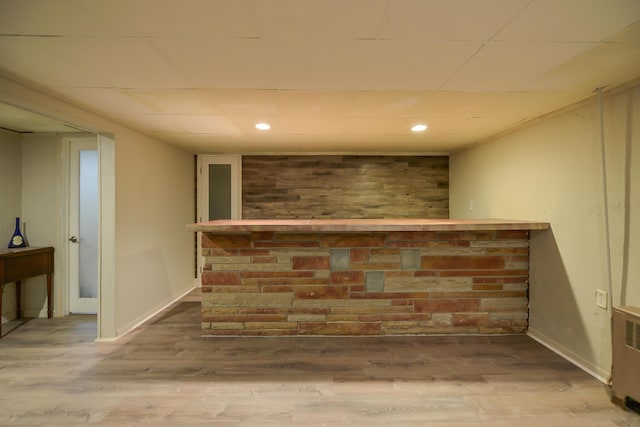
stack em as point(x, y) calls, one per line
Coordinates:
point(53, 373)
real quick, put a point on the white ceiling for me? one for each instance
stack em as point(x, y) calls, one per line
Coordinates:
point(328, 75)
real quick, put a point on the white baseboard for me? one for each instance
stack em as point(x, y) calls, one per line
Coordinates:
point(569, 355)
point(120, 332)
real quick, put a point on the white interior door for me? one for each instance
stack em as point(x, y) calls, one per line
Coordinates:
point(83, 225)
point(220, 188)
point(219, 192)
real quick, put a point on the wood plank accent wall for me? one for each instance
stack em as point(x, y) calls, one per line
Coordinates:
point(289, 187)
point(376, 283)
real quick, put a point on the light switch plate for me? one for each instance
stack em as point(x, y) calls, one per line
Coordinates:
point(601, 299)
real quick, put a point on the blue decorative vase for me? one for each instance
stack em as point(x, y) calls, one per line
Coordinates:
point(17, 240)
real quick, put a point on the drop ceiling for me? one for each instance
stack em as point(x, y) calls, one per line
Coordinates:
point(327, 75)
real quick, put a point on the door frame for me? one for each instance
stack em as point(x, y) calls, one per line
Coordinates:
point(236, 183)
point(106, 319)
point(202, 184)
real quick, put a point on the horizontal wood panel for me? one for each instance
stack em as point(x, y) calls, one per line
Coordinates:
point(345, 187)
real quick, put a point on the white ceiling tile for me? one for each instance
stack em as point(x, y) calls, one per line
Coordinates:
point(298, 125)
point(391, 103)
point(444, 124)
point(6, 29)
point(313, 103)
point(571, 20)
point(122, 62)
point(242, 102)
point(44, 17)
point(487, 125)
point(452, 20)
point(154, 123)
point(187, 18)
point(317, 64)
point(484, 128)
point(221, 63)
point(205, 101)
point(33, 60)
point(416, 65)
point(608, 65)
point(278, 102)
point(476, 104)
point(111, 102)
point(512, 66)
point(171, 101)
point(379, 125)
point(333, 19)
point(630, 35)
point(329, 75)
point(203, 123)
point(130, 17)
point(453, 104)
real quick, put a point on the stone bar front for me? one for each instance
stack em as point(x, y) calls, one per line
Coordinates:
point(365, 277)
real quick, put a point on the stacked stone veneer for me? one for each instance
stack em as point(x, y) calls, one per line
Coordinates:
point(341, 187)
point(374, 283)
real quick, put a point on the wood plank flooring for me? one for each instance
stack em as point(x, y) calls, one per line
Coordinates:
point(52, 373)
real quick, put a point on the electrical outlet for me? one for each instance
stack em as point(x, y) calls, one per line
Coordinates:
point(470, 205)
point(601, 299)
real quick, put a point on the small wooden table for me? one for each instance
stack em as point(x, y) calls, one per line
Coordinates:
point(22, 263)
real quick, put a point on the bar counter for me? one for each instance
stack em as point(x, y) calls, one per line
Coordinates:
point(348, 225)
point(365, 276)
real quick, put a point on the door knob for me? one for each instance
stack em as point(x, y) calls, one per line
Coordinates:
point(73, 239)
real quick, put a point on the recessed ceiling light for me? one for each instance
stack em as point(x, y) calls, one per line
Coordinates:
point(419, 128)
point(263, 126)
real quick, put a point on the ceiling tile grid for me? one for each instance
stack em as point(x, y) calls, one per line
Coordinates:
point(328, 75)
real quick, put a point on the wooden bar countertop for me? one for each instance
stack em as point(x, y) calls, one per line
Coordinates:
point(360, 225)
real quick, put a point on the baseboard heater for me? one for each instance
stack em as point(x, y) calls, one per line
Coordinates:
point(625, 375)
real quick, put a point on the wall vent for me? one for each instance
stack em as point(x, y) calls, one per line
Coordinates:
point(625, 373)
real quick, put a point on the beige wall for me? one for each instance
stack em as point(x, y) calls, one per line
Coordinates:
point(154, 192)
point(10, 203)
point(551, 171)
point(29, 176)
point(154, 201)
point(10, 184)
point(40, 209)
